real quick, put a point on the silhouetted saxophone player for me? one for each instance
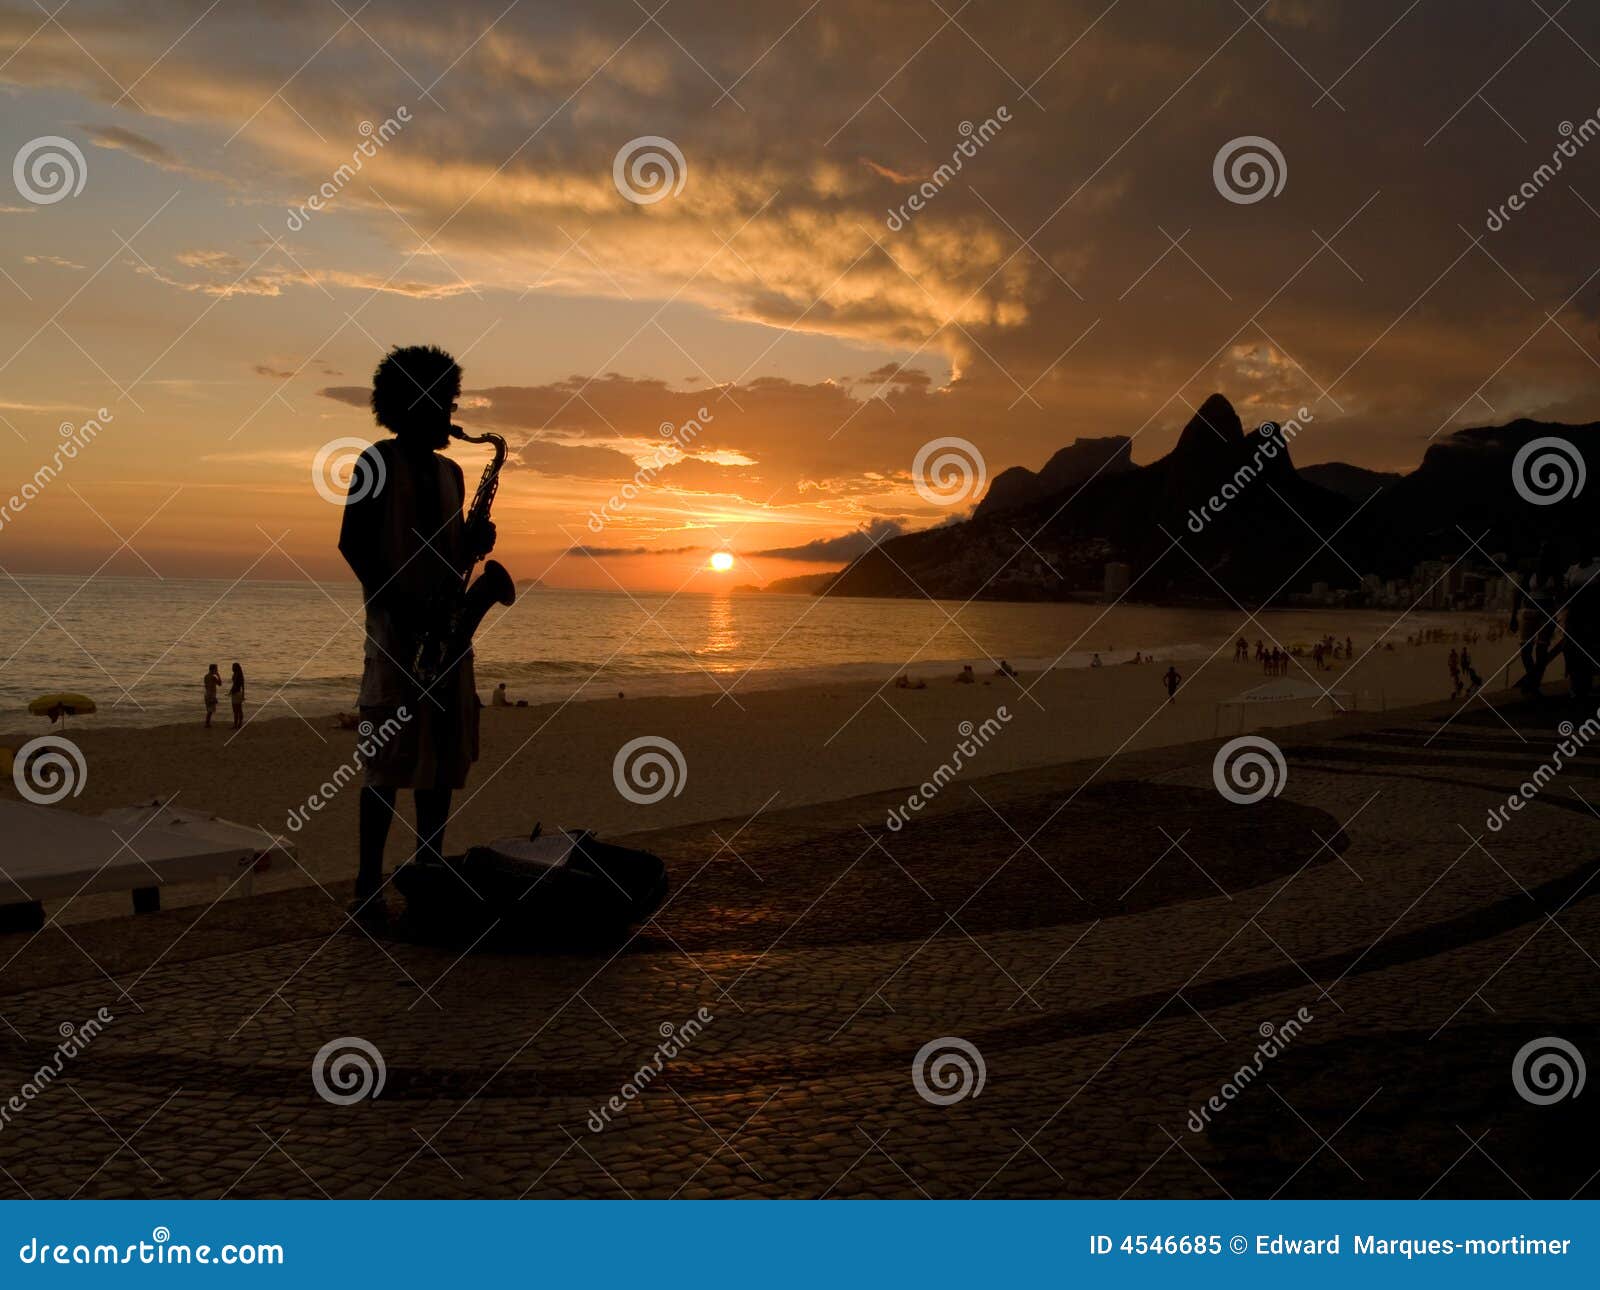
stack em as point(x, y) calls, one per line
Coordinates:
point(406, 539)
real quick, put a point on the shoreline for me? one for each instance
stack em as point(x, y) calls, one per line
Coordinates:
point(554, 763)
point(16, 726)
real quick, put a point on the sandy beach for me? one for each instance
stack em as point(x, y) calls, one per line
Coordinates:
point(744, 753)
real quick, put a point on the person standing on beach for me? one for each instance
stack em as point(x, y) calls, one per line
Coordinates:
point(236, 696)
point(1455, 675)
point(405, 539)
point(1172, 680)
point(213, 683)
point(1534, 605)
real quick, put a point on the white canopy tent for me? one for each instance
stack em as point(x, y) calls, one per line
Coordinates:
point(1287, 689)
point(52, 853)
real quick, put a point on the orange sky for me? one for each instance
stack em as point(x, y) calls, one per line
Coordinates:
point(1074, 269)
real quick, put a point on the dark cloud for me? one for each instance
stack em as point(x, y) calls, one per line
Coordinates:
point(840, 549)
point(632, 550)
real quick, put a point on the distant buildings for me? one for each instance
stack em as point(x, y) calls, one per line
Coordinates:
point(1433, 584)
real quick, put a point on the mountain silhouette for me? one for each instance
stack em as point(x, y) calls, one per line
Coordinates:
point(1078, 462)
point(1225, 516)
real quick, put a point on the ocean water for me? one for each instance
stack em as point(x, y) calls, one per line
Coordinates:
point(140, 646)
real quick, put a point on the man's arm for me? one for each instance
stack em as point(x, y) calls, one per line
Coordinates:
point(361, 529)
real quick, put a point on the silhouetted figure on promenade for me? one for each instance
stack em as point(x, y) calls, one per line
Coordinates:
point(1172, 680)
point(405, 539)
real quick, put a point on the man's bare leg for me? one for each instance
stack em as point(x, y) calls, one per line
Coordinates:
point(377, 810)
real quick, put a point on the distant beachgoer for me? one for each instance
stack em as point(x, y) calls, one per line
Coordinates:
point(1474, 681)
point(966, 676)
point(213, 683)
point(1534, 605)
point(1095, 662)
point(1454, 663)
point(236, 696)
point(1349, 648)
point(1005, 669)
point(1581, 635)
point(905, 682)
point(1172, 680)
point(499, 699)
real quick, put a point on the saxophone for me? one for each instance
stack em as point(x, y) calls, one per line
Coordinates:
point(446, 640)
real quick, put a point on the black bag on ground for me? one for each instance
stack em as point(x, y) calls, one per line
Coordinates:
point(559, 887)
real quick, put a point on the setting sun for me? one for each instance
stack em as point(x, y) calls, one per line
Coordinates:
point(721, 561)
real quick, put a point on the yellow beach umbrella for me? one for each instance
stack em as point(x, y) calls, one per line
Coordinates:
point(60, 705)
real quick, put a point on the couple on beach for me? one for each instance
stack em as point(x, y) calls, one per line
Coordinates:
point(213, 684)
point(407, 541)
